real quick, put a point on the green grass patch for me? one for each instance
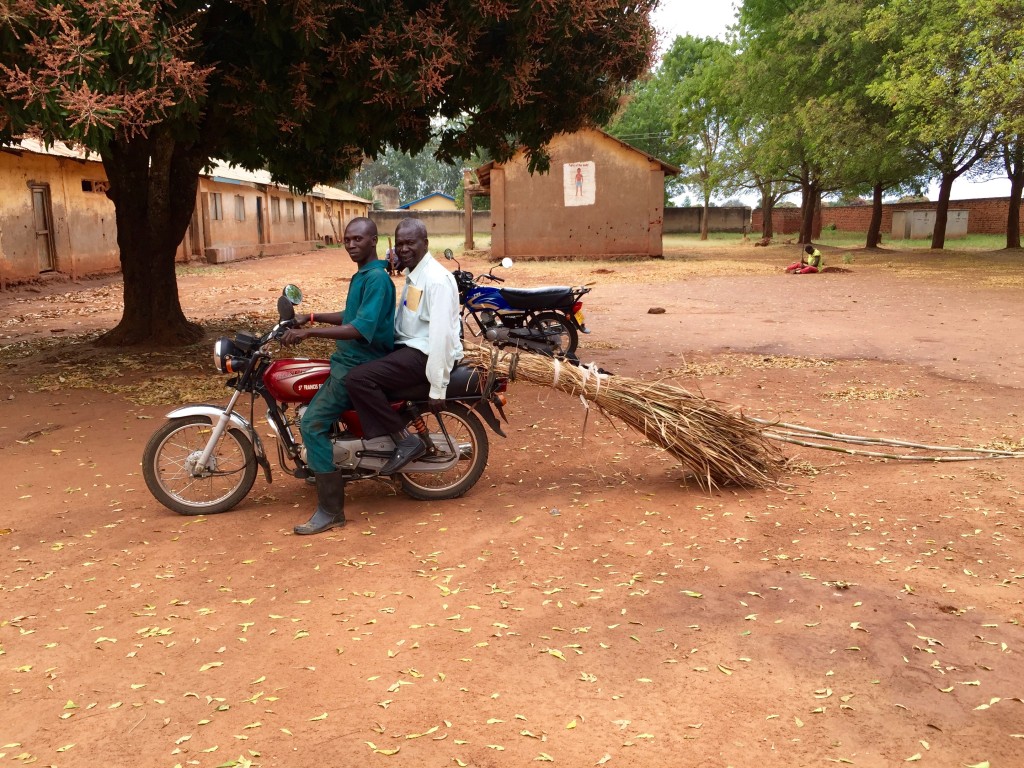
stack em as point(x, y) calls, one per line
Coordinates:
point(973, 242)
point(837, 239)
point(456, 242)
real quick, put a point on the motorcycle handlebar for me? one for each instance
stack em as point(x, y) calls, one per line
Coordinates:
point(275, 333)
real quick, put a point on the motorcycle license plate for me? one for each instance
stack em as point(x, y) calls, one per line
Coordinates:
point(579, 318)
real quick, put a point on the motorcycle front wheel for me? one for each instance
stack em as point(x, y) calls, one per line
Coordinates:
point(171, 454)
point(470, 440)
point(557, 329)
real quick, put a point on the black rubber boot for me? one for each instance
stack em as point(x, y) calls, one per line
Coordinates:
point(330, 508)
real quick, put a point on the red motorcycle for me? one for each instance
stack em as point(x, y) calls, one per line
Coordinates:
point(204, 459)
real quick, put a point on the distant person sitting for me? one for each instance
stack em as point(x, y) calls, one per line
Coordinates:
point(810, 262)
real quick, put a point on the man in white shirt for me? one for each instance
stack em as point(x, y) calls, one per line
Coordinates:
point(427, 346)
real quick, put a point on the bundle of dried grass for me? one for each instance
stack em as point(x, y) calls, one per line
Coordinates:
point(719, 447)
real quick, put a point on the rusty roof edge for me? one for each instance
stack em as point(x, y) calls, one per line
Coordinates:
point(670, 170)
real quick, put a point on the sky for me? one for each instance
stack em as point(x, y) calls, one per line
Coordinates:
point(710, 18)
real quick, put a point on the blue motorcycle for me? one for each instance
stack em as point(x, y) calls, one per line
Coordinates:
point(544, 320)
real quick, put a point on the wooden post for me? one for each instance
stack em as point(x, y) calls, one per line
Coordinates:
point(469, 245)
point(469, 185)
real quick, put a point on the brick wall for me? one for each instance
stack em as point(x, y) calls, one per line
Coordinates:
point(785, 221)
point(985, 215)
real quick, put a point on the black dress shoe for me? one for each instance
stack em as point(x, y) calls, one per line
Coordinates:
point(408, 449)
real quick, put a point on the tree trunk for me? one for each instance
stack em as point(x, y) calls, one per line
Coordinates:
point(704, 213)
point(1013, 211)
point(942, 210)
point(767, 206)
point(1015, 172)
point(875, 226)
point(153, 182)
point(810, 201)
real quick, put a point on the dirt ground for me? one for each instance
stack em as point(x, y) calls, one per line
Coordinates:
point(585, 604)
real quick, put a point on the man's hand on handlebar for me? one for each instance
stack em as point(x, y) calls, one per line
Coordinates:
point(295, 335)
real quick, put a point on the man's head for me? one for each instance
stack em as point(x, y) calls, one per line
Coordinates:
point(361, 240)
point(809, 249)
point(410, 242)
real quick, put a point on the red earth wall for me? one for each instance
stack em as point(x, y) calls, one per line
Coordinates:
point(985, 216)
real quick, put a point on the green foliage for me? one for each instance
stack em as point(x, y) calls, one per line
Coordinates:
point(306, 89)
point(679, 114)
point(480, 202)
point(646, 121)
point(414, 175)
point(936, 79)
point(705, 107)
point(303, 88)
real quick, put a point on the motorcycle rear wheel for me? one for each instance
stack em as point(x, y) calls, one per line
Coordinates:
point(557, 329)
point(171, 449)
point(469, 437)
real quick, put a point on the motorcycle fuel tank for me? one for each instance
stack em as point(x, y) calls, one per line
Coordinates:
point(295, 380)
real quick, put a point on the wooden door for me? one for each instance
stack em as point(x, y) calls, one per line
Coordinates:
point(43, 220)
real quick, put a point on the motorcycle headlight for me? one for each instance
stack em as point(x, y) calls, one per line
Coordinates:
point(223, 351)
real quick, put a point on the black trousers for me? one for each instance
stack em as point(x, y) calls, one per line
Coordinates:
point(400, 375)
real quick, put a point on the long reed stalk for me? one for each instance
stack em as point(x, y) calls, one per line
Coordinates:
point(719, 446)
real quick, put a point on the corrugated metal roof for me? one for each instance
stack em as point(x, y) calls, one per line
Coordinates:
point(333, 193)
point(233, 174)
point(427, 197)
point(220, 170)
point(59, 149)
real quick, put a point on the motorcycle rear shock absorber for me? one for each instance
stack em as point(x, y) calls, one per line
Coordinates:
point(419, 426)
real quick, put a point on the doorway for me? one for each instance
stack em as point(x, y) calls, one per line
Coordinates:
point(43, 220)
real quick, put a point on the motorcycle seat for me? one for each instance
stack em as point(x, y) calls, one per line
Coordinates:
point(549, 297)
point(464, 382)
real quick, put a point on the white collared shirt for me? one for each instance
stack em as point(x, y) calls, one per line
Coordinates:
point(428, 320)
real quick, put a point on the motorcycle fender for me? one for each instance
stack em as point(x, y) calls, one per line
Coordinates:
point(484, 409)
point(214, 413)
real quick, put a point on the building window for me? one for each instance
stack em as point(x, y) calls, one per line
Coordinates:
point(275, 210)
point(239, 208)
point(95, 185)
point(216, 207)
point(289, 209)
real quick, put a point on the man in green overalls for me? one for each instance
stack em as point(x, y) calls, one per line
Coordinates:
point(365, 331)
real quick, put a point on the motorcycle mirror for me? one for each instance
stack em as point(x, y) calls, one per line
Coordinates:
point(449, 254)
point(293, 293)
point(285, 308)
point(507, 263)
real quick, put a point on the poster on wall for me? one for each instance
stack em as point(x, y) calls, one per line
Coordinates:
point(579, 183)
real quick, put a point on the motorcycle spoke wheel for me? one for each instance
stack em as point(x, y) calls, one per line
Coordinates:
point(558, 330)
point(171, 453)
point(470, 440)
